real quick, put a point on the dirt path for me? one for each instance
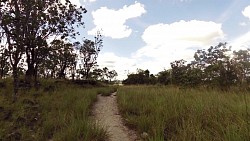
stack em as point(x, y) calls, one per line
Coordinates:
point(106, 113)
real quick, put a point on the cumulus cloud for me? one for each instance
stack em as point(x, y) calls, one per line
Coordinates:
point(168, 42)
point(246, 12)
point(112, 22)
point(114, 62)
point(164, 44)
point(191, 31)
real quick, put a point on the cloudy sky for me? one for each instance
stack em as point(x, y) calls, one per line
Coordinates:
point(149, 34)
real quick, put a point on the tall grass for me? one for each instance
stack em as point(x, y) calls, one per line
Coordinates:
point(58, 111)
point(107, 91)
point(168, 113)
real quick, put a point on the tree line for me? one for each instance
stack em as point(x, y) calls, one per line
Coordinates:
point(25, 28)
point(217, 66)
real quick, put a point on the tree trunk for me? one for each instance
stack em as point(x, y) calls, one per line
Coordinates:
point(87, 74)
point(2, 73)
point(30, 75)
point(15, 83)
point(61, 73)
point(35, 77)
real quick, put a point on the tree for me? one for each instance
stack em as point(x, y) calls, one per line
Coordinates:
point(27, 24)
point(140, 77)
point(97, 74)
point(216, 66)
point(164, 77)
point(179, 70)
point(111, 75)
point(88, 53)
point(63, 56)
point(242, 63)
point(4, 64)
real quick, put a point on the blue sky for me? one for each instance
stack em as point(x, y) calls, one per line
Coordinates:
point(149, 34)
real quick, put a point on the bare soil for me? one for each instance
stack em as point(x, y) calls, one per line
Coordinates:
point(106, 114)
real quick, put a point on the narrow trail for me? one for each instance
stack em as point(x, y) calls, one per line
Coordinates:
point(106, 113)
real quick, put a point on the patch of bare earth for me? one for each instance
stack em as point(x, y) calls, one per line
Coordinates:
point(106, 114)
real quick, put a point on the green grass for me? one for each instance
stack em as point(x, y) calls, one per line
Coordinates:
point(185, 114)
point(107, 91)
point(58, 111)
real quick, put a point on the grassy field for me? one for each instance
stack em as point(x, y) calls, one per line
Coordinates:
point(58, 111)
point(168, 113)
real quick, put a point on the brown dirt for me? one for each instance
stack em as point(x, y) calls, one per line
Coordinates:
point(106, 114)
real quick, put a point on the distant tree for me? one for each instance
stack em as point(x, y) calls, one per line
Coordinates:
point(140, 77)
point(111, 75)
point(63, 56)
point(88, 53)
point(217, 67)
point(164, 77)
point(194, 75)
point(152, 79)
point(179, 70)
point(97, 74)
point(242, 63)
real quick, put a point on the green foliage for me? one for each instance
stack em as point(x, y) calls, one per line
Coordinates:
point(61, 57)
point(164, 77)
point(26, 25)
point(141, 77)
point(169, 113)
point(103, 74)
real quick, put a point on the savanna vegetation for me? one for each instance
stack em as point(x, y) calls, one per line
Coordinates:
point(204, 99)
point(216, 67)
point(160, 113)
point(49, 81)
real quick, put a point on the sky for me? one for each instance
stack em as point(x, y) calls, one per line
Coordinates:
point(149, 34)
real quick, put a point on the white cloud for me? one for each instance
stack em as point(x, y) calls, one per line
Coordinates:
point(114, 62)
point(168, 42)
point(241, 42)
point(246, 12)
point(112, 22)
point(164, 44)
point(243, 24)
